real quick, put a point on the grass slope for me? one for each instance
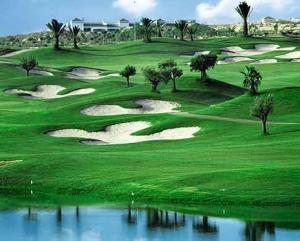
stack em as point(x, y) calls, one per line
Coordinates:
point(227, 163)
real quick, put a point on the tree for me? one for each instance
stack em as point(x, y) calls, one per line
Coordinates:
point(192, 29)
point(244, 10)
point(74, 31)
point(262, 108)
point(127, 72)
point(171, 71)
point(181, 26)
point(29, 64)
point(57, 29)
point(155, 77)
point(252, 79)
point(159, 28)
point(146, 29)
point(202, 63)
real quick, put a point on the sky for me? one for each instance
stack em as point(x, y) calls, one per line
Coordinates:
point(24, 16)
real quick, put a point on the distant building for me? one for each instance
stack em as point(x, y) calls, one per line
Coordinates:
point(99, 26)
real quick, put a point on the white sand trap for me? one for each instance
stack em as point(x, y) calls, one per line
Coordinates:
point(234, 60)
point(49, 92)
point(147, 107)
point(296, 60)
point(18, 52)
point(201, 53)
point(88, 74)
point(123, 134)
point(292, 55)
point(84, 73)
point(41, 72)
point(258, 50)
point(266, 61)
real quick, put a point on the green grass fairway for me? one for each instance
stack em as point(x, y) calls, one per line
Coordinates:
point(228, 162)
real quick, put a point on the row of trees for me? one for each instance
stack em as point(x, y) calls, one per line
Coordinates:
point(58, 29)
point(168, 71)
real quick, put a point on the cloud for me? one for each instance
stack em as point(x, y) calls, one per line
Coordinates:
point(135, 7)
point(223, 11)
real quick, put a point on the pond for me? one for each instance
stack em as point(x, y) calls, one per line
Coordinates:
point(131, 224)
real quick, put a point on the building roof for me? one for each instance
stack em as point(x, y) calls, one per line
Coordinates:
point(124, 20)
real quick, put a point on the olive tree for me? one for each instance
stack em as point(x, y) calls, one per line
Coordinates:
point(127, 72)
point(203, 63)
point(171, 71)
point(155, 77)
point(262, 108)
point(29, 64)
point(252, 79)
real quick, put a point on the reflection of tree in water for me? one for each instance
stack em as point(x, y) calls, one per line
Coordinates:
point(58, 215)
point(131, 216)
point(164, 219)
point(30, 215)
point(255, 231)
point(202, 225)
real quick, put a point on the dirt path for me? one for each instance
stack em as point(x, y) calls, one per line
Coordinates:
point(228, 119)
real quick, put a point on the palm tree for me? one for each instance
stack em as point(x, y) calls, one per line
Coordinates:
point(252, 79)
point(147, 29)
point(159, 28)
point(244, 10)
point(181, 26)
point(127, 72)
point(74, 31)
point(192, 29)
point(57, 29)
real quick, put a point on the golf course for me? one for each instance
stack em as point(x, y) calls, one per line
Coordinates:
point(200, 146)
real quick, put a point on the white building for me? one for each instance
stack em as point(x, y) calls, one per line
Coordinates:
point(99, 26)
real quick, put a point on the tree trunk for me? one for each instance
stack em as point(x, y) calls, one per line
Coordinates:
point(174, 85)
point(128, 84)
point(264, 125)
point(246, 31)
point(154, 88)
point(192, 37)
point(75, 43)
point(159, 34)
point(56, 45)
point(182, 36)
point(27, 73)
point(203, 75)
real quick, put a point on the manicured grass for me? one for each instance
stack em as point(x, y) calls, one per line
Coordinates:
point(226, 163)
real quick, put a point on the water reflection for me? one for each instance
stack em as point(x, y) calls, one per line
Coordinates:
point(256, 231)
point(132, 224)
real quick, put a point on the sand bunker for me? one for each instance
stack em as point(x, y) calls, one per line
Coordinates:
point(266, 61)
point(147, 107)
point(38, 71)
point(49, 92)
point(41, 72)
point(88, 74)
point(234, 60)
point(259, 49)
point(84, 73)
point(123, 134)
point(296, 60)
point(292, 55)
